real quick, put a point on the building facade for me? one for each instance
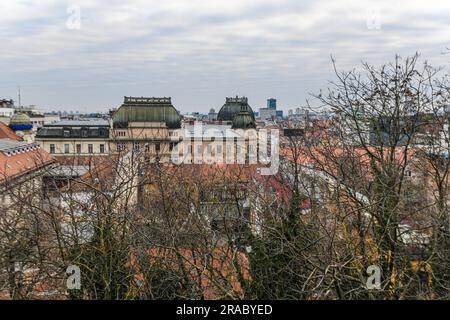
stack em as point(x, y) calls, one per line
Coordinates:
point(150, 126)
point(6, 112)
point(267, 113)
point(75, 137)
point(21, 169)
point(229, 140)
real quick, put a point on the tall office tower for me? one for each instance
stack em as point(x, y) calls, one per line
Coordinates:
point(271, 103)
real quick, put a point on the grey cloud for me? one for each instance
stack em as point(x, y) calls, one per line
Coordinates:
point(201, 50)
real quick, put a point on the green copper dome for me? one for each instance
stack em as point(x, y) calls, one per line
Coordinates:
point(232, 107)
point(147, 110)
point(243, 120)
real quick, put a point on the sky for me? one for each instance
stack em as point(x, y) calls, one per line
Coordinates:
point(86, 55)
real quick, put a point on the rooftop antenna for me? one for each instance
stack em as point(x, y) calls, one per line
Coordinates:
point(20, 101)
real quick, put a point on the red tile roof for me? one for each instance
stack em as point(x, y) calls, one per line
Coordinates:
point(337, 161)
point(21, 159)
point(7, 133)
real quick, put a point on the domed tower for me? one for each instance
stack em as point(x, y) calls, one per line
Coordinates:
point(147, 110)
point(20, 122)
point(232, 107)
point(243, 120)
point(148, 126)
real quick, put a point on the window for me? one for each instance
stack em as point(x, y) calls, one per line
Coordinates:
point(78, 148)
point(219, 149)
point(171, 146)
point(66, 148)
point(90, 148)
point(84, 133)
point(121, 146)
point(157, 147)
point(102, 148)
point(66, 133)
point(136, 146)
point(52, 148)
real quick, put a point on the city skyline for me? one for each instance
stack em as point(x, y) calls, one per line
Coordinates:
point(224, 156)
point(87, 55)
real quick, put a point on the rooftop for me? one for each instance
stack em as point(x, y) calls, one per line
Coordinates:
point(151, 100)
point(85, 128)
point(68, 171)
point(141, 109)
point(9, 145)
point(206, 131)
point(19, 158)
point(80, 123)
point(237, 99)
point(7, 132)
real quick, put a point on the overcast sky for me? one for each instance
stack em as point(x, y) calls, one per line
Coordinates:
point(200, 51)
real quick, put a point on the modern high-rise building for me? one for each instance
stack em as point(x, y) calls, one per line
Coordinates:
point(271, 103)
point(271, 112)
point(279, 114)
